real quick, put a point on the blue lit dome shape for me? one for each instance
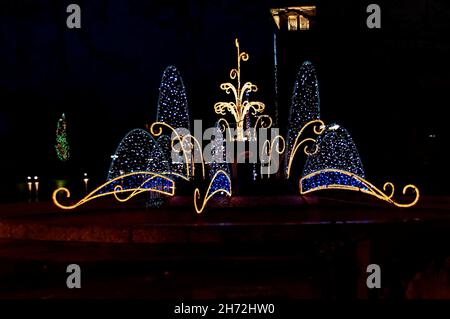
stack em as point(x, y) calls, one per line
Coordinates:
point(172, 102)
point(335, 164)
point(305, 104)
point(220, 182)
point(137, 152)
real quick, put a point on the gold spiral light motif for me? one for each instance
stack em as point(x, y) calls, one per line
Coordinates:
point(269, 146)
point(371, 189)
point(318, 128)
point(208, 195)
point(187, 139)
point(239, 108)
point(118, 189)
point(187, 144)
point(179, 138)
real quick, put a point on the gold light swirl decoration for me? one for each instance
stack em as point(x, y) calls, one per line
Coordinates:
point(369, 188)
point(168, 190)
point(239, 108)
point(157, 133)
point(225, 127)
point(190, 140)
point(209, 194)
point(265, 121)
point(318, 128)
point(278, 144)
point(186, 143)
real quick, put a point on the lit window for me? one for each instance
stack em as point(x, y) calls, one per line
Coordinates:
point(304, 23)
point(293, 18)
point(292, 23)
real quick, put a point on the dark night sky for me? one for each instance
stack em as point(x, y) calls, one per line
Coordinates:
point(387, 87)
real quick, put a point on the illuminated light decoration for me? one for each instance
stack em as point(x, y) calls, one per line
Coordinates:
point(194, 148)
point(36, 187)
point(85, 180)
point(188, 145)
point(125, 184)
point(264, 121)
point(137, 151)
point(30, 187)
point(62, 145)
point(225, 127)
point(278, 144)
point(318, 128)
point(164, 144)
point(220, 182)
point(252, 137)
point(336, 165)
point(172, 102)
point(172, 108)
point(339, 179)
point(305, 105)
point(336, 150)
point(241, 107)
point(275, 76)
point(174, 175)
point(172, 146)
point(218, 152)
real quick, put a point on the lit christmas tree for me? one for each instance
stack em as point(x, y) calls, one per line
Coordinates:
point(62, 145)
point(305, 104)
point(336, 156)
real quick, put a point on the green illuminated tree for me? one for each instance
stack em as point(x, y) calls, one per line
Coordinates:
point(62, 145)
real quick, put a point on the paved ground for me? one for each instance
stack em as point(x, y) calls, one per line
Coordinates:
point(286, 247)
